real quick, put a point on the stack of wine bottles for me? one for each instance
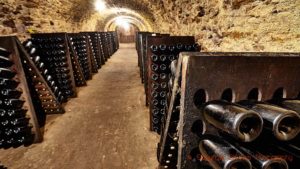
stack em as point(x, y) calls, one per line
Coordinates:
point(145, 60)
point(101, 46)
point(43, 69)
point(53, 50)
point(18, 122)
point(95, 48)
point(98, 46)
point(249, 125)
point(162, 50)
point(44, 99)
point(169, 152)
point(104, 40)
point(114, 41)
point(141, 50)
point(77, 69)
point(78, 44)
point(109, 40)
point(36, 78)
point(15, 129)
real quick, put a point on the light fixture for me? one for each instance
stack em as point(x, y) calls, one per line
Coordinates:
point(122, 23)
point(100, 5)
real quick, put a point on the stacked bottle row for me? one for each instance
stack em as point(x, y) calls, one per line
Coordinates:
point(15, 126)
point(159, 73)
point(44, 100)
point(236, 136)
point(98, 47)
point(246, 125)
point(168, 146)
point(50, 53)
point(141, 38)
point(15, 129)
point(36, 77)
point(80, 59)
point(210, 133)
point(110, 39)
point(145, 61)
point(114, 41)
point(167, 152)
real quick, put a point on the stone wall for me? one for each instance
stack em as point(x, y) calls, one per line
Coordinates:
point(233, 25)
point(21, 17)
point(218, 25)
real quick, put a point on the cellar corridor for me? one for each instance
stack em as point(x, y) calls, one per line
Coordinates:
point(105, 127)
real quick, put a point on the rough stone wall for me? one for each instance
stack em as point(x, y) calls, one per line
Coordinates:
point(233, 25)
point(20, 17)
point(218, 25)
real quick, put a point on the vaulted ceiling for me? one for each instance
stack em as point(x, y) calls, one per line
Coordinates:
point(138, 12)
point(218, 25)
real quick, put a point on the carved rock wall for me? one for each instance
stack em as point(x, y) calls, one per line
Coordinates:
point(234, 25)
point(218, 25)
point(20, 17)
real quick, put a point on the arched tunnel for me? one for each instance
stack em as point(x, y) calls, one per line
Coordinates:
point(149, 84)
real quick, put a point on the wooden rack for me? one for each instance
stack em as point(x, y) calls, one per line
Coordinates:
point(157, 41)
point(66, 49)
point(12, 45)
point(239, 71)
point(77, 69)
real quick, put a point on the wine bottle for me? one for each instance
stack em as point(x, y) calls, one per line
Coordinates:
point(154, 67)
point(11, 103)
point(154, 77)
point(154, 58)
point(179, 46)
point(6, 73)
point(171, 48)
point(7, 83)
point(163, 58)
point(162, 47)
point(10, 93)
point(163, 67)
point(5, 62)
point(163, 76)
point(4, 52)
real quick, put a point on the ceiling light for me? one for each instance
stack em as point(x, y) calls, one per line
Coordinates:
point(123, 23)
point(100, 5)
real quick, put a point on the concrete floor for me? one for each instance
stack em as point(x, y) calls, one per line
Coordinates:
point(105, 127)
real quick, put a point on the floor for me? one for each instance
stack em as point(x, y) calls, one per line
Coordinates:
point(105, 127)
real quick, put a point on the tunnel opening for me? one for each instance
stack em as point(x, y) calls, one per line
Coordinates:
point(127, 33)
